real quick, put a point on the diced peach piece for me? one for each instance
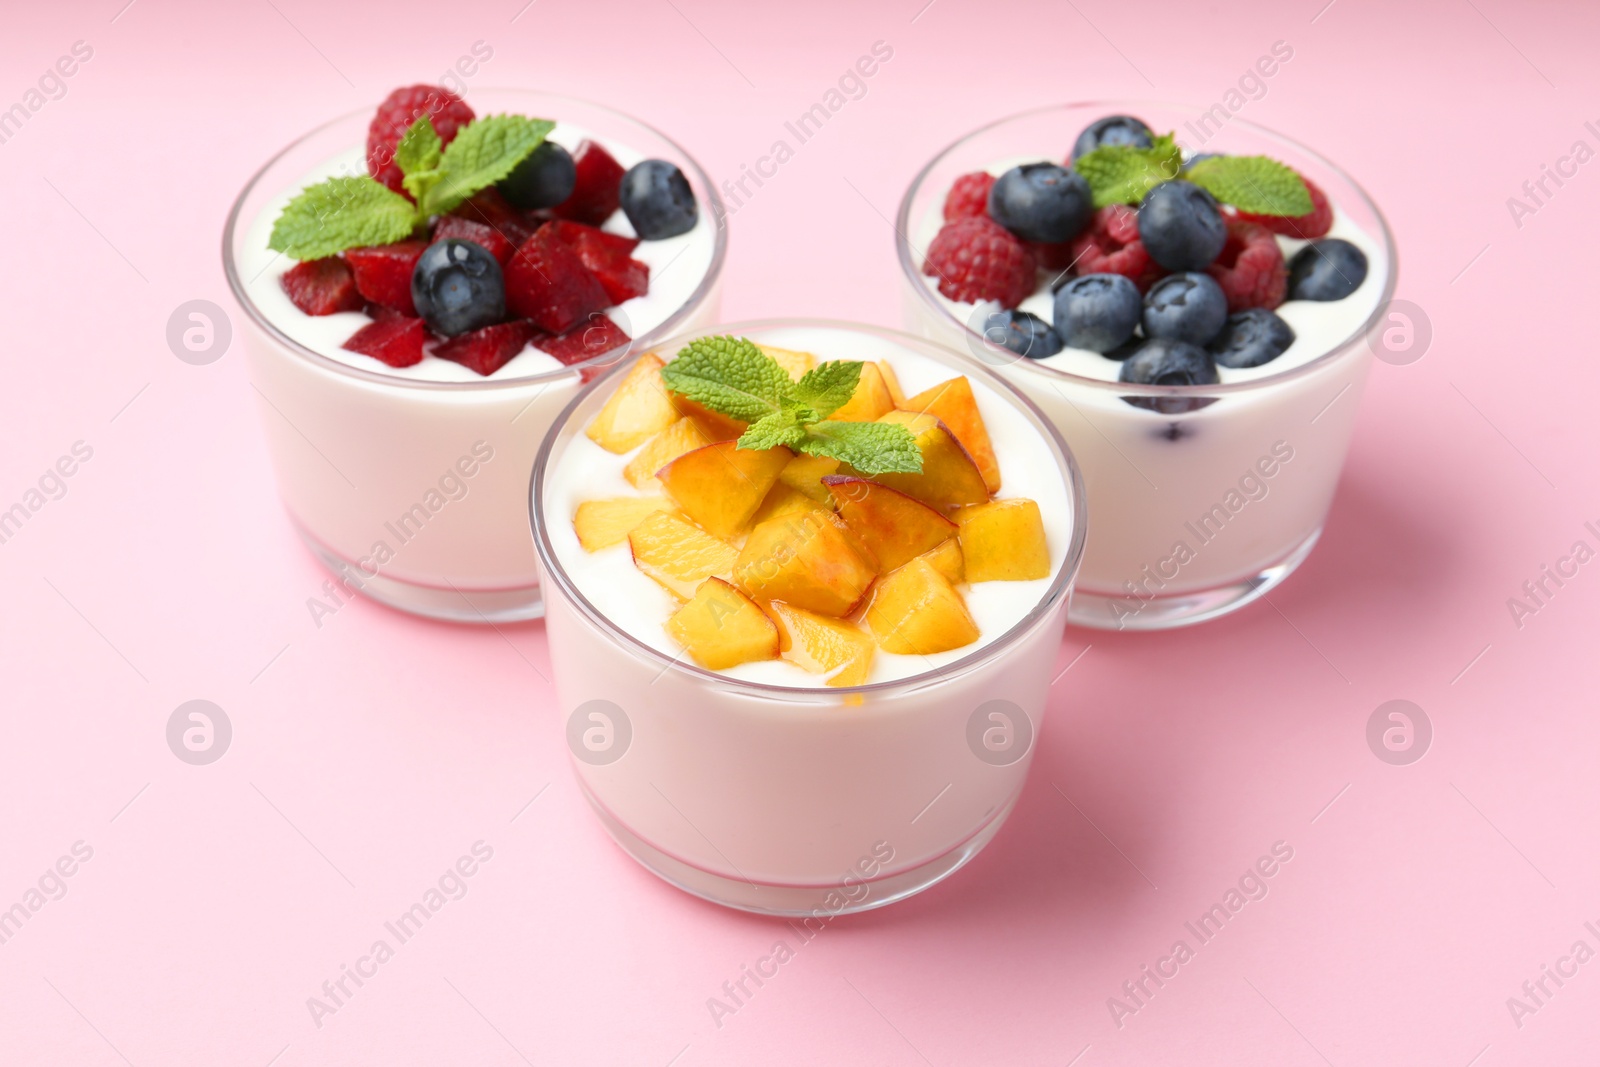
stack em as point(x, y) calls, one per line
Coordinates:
point(685, 435)
point(720, 486)
point(949, 477)
point(638, 409)
point(805, 474)
point(603, 523)
point(871, 400)
point(718, 427)
point(916, 611)
point(720, 627)
point(948, 561)
point(839, 649)
point(804, 560)
point(796, 363)
point(953, 404)
point(891, 382)
point(783, 501)
point(1003, 541)
point(678, 554)
point(890, 525)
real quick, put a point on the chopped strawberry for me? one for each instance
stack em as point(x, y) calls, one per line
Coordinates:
point(321, 286)
point(488, 349)
point(596, 194)
point(493, 210)
point(479, 233)
point(576, 233)
point(548, 283)
point(396, 114)
point(607, 255)
point(383, 273)
point(594, 338)
point(395, 339)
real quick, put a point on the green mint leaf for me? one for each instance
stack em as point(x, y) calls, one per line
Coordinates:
point(870, 447)
point(483, 152)
point(417, 155)
point(342, 213)
point(828, 387)
point(729, 375)
point(770, 431)
point(1122, 174)
point(1256, 184)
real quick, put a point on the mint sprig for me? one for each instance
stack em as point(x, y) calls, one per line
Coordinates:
point(731, 375)
point(1123, 174)
point(352, 212)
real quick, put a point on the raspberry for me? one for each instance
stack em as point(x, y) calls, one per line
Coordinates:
point(968, 197)
point(607, 255)
point(322, 286)
point(594, 338)
point(978, 259)
point(479, 233)
point(492, 209)
point(1250, 268)
point(1110, 245)
point(490, 348)
point(396, 114)
point(1314, 223)
point(1053, 257)
point(548, 283)
point(596, 193)
point(383, 273)
point(394, 339)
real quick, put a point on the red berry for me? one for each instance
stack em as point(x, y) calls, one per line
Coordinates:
point(607, 255)
point(396, 114)
point(596, 194)
point(968, 197)
point(488, 349)
point(1110, 245)
point(1314, 223)
point(383, 273)
point(594, 338)
point(322, 286)
point(1055, 257)
point(395, 339)
point(479, 233)
point(1250, 268)
point(493, 210)
point(548, 283)
point(978, 259)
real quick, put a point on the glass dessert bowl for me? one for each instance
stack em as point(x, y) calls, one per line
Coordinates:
point(1203, 358)
point(410, 357)
point(791, 684)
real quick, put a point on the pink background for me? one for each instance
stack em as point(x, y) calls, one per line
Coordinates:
point(370, 753)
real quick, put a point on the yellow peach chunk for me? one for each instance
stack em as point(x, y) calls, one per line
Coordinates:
point(638, 409)
point(891, 382)
point(806, 560)
point(834, 647)
point(891, 526)
point(916, 611)
point(720, 627)
point(949, 478)
point(783, 501)
point(871, 400)
point(721, 485)
point(682, 436)
point(953, 404)
point(805, 474)
point(603, 523)
point(794, 363)
point(948, 561)
point(1004, 541)
point(717, 426)
point(678, 554)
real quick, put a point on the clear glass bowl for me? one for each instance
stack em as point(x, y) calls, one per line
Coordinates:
point(1196, 513)
point(798, 800)
point(412, 491)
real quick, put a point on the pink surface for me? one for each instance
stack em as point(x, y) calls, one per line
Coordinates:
point(372, 752)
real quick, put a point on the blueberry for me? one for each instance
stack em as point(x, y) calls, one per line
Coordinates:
point(1252, 337)
point(1041, 202)
point(1022, 332)
point(657, 200)
point(1185, 307)
point(1097, 311)
point(544, 179)
point(458, 288)
point(1326, 269)
point(1181, 227)
point(1163, 362)
point(1112, 130)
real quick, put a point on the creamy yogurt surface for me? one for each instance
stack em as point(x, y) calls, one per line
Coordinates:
point(677, 267)
point(583, 470)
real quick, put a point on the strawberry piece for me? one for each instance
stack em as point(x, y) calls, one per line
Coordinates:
point(454, 227)
point(488, 349)
point(596, 193)
point(493, 210)
point(594, 338)
point(548, 283)
point(968, 197)
point(607, 255)
point(978, 259)
point(1314, 223)
point(394, 339)
point(396, 114)
point(383, 273)
point(321, 286)
point(1110, 244)
point(1250, 268)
